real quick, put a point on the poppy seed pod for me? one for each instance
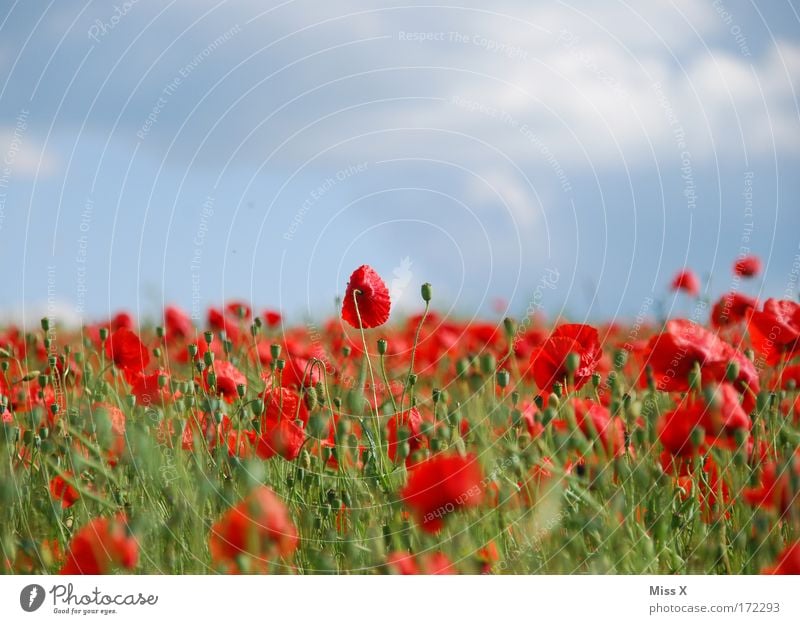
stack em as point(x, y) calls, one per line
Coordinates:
point(192, 350)
point(209, 337)
point(103, 333)
point(382, 346)
point(46, 324)
point(240, 390)
point(488, 363)
point(427, 292)
point(275, 351)
point(503, 378)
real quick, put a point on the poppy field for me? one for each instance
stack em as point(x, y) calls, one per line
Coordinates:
point(378, 443)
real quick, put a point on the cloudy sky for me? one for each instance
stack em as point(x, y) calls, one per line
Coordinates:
point(193, 152)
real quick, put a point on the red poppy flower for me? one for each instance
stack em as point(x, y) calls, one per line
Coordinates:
point(774, 490)
point(550, 360)
point(687, 281)
point(732, 308)
point(239, 309)
point(366, 287)
point(429, 563)
point(101, 546)
point(284, 438)
point(787, 562)
point(177, 323)
point(283, 404)
point(124, 348)
point(441, 485)
point(775, 330)
point(673, 354)
point(273, 318)
point(610, 430)
point(748, 266)
point(719, 420)
point(63, 491)
point(146, 389)
point(259, 527)
point(228, 378)
point(411, 421)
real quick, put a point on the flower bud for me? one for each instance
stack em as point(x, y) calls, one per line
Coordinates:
point(558, 390)
point(510, 326)
point(697, 436)
point(257, 407)
point(275, 351)
point(240, 390)
point(732, 371)
point(427, 292)
point(46, 324)
point(280, 364)
point(160, 331)
point(310, 398)
point(103, 334)
point(162, 381)
point(488, 363)
point(212, 379)
point(503, 378)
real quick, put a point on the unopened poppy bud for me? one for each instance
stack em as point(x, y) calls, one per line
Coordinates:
point(510, 326)
point(4, 365)
point(382, 346)
point(254, 329)
point(103, 333)
point(346, 350)
point(515, 397)
point(227, 345)
point(212, 379)
point(52, 361)
point(47, 343)
point(275, 351)
point(280, 364)
point(427, 292)
point(157, 352)
point(596, 379)
point(42, 380)
point(54, 408)
point(503, 378)
point(462, 367)
point(218, 416)
point(257, 407)
point(558, 390)
point(46, 324)
point(162, 381)
point(412, 380)
point(436, 445)
point(310, 397)
point(732, 371)
point(548, 415)
point(750, 354)
point(240, 390)
point(160, 331)
point(572, 362)
point(192, 349)
point(488, 363)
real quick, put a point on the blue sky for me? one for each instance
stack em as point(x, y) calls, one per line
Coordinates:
point(192, 152)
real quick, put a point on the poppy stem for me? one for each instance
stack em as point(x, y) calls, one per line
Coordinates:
point(375, 415)
point(413, 353)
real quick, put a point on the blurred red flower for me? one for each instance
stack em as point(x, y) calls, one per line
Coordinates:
point(787, 562)
point(124, 348)
point(63, 491)
point(687, 281)
point(259, 526)
point(732, 308)
point(366, 287)
point(747, 266)
point(775, 330)
point(101, 546)
point(440, 485)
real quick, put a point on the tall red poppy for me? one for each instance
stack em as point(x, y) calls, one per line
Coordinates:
point(441, 485)
point(259, 526)
point(101, 546)
point(369, 290)
point(549, 362)
point(732, 308)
